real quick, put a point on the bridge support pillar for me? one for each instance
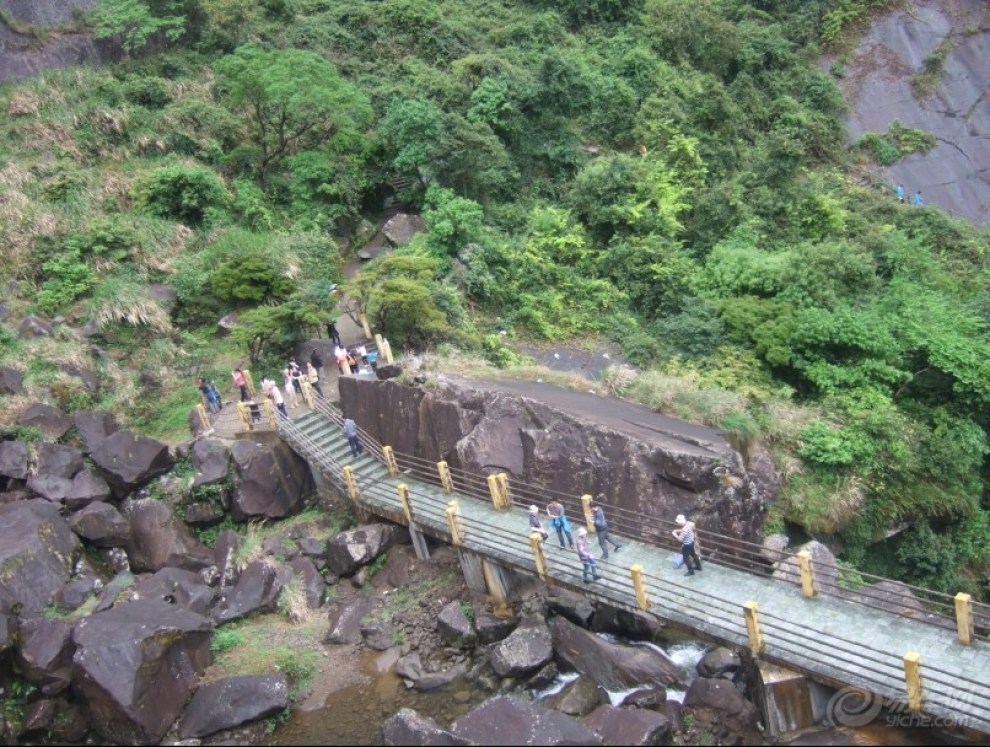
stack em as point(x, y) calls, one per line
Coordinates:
point(789, 700)
point(485, 576)
point(419, 542)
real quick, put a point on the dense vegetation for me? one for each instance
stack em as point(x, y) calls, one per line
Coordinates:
point(669, 174)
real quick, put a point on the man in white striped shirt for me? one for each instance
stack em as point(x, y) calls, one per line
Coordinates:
point(685, 535)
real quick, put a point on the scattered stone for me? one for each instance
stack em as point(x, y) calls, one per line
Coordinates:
point(629, 726)
point(58, 460)
point(401, 227)
point(388, 371)
point(50, 420)
point(653, 698)
point(204, 514)
point(116, 590)
point(409, 667)
point(717, 694)
point(270, 481)
point(257, 590)
point(492, 629)
point(32, 327)
point(437, 680)
point(544, 678)
point(773, 547)
point(348, 551)
point(39, 717)
point(719, 661)
point(90, 379)
point(575, 607)
point(527, 649)
point(625, 623)
point(101, 524)
point(614, 666)
point(304, 569)
point(454, 627)
point(11, 380)
point(378, 635)
point(71, 725)
point(128, 460)
point(345, 620)
point(507, 719)
point(226, 324)
point(94, 427)
point(49, 487)
point(894, 597)
point(408, 728)
point(87, 487)
point(159, 539)
point(45, 654)
point(13, 460)
point(74, 594)
point(578, 698)
point(37, 553)
point(312, 547)
point(211, 458)
point(230, 702)
point(176, 586)
point(136, 666)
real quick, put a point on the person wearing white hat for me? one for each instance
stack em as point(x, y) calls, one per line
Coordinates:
point(535, 524)
point(685, 534)
point(583, 550)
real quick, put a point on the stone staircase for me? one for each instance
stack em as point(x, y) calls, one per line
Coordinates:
point(324, 442)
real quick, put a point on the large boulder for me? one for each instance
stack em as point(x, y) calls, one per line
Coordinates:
point(13, 460)
point(824, 568)
point(575, 607)
point(401, 227)
point(348, 551)
point(49, 420)
point(32, 327)
point(719, 661)
point(58, 460)
point(345, 620)
point(507, 719)
point(136, 666)
point(159, 539)
point(128, 460)
point(94, 427)
point(645, 462)
point(49, 487)
point(454, 627)
point(632, 624)
point(257, 590)
point(614, 666)
point(86, 488)
point(492, 629)
point(11, 380)
point(629, 726)
point(442, 678)
point(101, 524)
point(527, 649)
point(211, 458)
point(232, 701)
point(312, 582)
point(719, 695)
point(578, 698)
point(270, 481)
point(37, 553)
point(176, 586)
point(406, 728)
point(45, 654)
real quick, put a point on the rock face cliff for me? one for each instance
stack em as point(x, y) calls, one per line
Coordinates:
point(646, 464)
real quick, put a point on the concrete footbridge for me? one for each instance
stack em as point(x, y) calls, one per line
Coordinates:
point(925, 659)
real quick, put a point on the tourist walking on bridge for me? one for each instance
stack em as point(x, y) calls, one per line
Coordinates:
point(686, 536)
point(601, 528)
point(350, 428)
point(583, 549)
point(536, 525)
point(559, 521)
point(240, 383)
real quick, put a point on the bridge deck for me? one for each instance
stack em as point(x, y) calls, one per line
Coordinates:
point(831, 639)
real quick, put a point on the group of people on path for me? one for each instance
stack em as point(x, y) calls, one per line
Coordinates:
point(918, 200)
point(685, 534)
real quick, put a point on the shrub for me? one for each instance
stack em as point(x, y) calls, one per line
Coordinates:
point(224, 640)
point(184, 193)
point(148, 92)
point(68, 279)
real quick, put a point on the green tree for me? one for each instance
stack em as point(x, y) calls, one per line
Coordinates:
point(135, 23)
point(294, 100)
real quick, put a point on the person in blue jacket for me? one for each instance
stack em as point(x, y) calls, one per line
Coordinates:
point(918, 199)
point(559, 520)
point(900, 193)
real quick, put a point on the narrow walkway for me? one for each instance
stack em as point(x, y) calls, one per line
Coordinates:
point(830, 639)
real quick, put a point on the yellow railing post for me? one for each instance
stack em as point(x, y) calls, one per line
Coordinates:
point(454, 522)
point(494, 490)
point(445, 479)
point(503, 485)
point(380, 347)
point(204, 419)
point(964, 618)
point(589, 516)
point(352, 488)
point(307, 393)
point(249, 381)
point(807, 574)
point(637, 578)
point(752, 612)
point(387, 349)
point(363, 318)
point(269, 409)
point(245, 413)
point(345, 367)
point(393, 467)
point(912, 680)
point(404, 500)
point(536, 542)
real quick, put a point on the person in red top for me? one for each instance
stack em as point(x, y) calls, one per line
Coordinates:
point(239, 381)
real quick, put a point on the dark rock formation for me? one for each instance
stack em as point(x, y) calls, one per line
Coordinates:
point(579, 443)
point(401, 227)
point(49, 420)
point(719, 695)
point(49, 487)
point(614, 666)
point(37, 554)
point(101, 524)
point(348, 551)
point(629, 726)
point(437, 680)
point(407, 728)
point(625, 623)
point(378, 635)
point(58, 460)
point(74, 594)
point(176, 586)
point(136, 665)
point(454, 627)
point(575, 607)
point(345, 620)
point(94, 427)
point(90, 379)
point(45, 654)
point(11, 380)
point(233, 701)
point(86, 488)
point(579, 698)
point(270, 481)
point(32, 327)
point(527, 649)
point(39, 717)
point(211, 458)
point(128, 460)
point(492, 629)
point(719, 661)
point(507, 719)
point(653, 698)
point(13, 460)
point(159, 539)
point(257, 589)
point(313, 583)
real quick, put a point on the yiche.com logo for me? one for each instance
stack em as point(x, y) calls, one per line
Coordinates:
point(853, 708)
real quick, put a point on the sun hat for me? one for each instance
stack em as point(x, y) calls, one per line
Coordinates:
point(680, 519)
point(534, 510)
point(582, 532)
